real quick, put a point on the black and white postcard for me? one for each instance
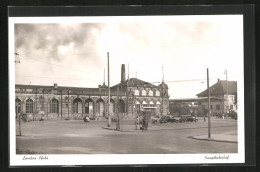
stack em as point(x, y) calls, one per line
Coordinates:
point(106, 90)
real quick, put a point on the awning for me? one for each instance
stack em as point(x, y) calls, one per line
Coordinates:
point(158, 103)
point(137, 103)
point(144, 103)
point(151, 103)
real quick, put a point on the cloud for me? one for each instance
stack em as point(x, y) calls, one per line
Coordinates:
point(47, 38)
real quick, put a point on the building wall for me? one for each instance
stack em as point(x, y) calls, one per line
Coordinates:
point(223, 105)
point(41, 102)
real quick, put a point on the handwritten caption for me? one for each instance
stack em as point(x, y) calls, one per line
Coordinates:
point(217, 157)
point(35, 157)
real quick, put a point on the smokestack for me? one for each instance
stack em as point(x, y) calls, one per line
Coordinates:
point(123, 73)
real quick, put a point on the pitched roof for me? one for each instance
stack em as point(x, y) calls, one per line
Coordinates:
point(221, 88)
point(134, 82)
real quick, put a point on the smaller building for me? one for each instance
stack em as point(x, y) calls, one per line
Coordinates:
point(223, 98)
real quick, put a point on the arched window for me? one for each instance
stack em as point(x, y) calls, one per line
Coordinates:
point(54, 106)
point(29, 106)
point(157, 93)
point(121, 106)
point(18, 105)
point(100, 107)
point(137, 92)
point(144, 104)
point(150, 92)
point(143, 93)
point(77, 106)
point(89, 106)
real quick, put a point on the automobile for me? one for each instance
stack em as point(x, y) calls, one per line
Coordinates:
point(155, 119)
point(192, 119)
point(183, 118)
point(168, 118)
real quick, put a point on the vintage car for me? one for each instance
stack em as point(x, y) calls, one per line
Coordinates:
point(155, 119)
point(168, 118)
point(192, 119)
point(187, 118)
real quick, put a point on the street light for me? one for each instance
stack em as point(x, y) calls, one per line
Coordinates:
point(68, 91)
point(36, 91)
point(56, 88)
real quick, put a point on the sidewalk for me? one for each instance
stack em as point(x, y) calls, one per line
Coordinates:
point(230, 137)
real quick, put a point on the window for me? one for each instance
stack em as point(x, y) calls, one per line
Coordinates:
point(54, 106)
point(29, 106)
point(217, 107)
point(138, 107)
point(151, 93)
point(231, 107)
point(18, 104)
point(211, 107)
point(137, 92)
point(77, 105)
point(143, 93)
point(151, 104)
point(144, 104)
point(157, 93)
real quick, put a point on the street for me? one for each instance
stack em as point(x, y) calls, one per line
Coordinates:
point(78, 137)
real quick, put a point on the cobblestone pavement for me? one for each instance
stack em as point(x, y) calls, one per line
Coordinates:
point(78, 137)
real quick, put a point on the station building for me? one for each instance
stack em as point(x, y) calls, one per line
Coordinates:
point(60, 102)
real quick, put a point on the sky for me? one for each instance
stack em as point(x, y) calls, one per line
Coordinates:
point(74, 53)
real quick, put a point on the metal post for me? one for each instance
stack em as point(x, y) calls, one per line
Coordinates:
point(108, 75)
point(20, 130)
point(117, 106)
point(226, 92)
point(61, 104)
point(47, 103)
point(35, 105)
point(68, 103)
point(43, 100)
point(209, 110)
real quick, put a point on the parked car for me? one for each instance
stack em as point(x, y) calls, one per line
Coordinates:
point(183, 118)
point(155, 119)
point(192, 119)
point(168, 118)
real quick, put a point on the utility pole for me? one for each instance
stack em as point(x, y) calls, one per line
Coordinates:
point(117, 106)
point(108, 75)
point(36, 90)
point(16, 107)
point(61, 104)
point(209, 110)
point(162, 89)
point(225, 72)
point(68, 104)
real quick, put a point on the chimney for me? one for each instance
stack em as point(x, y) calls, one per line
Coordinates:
point(123, 73)
point(55, 85)
point(218, 80)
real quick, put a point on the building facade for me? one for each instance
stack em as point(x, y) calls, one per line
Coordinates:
point(223, 97)
point(58, 102)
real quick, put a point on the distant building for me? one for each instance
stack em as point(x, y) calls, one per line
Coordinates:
point(127, 98)
point(223, 97)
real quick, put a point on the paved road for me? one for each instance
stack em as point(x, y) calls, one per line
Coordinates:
point(77, 137)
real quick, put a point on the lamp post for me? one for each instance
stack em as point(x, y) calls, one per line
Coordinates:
point(56, 88)
point(36, 91)
point(68, 102)
point(209, 110)
point(225, 72)
point(61, 103)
